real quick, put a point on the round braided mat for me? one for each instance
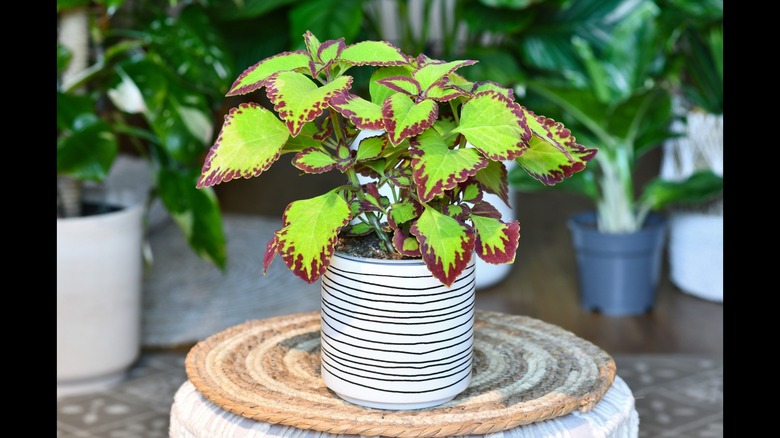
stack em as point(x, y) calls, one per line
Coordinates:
point(525, 370)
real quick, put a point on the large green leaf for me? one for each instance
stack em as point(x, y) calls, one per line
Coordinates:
point(698, 188)
point(308, 236)
point(381, 92)
point(250, 141)
point(364, 114)
point(496, 241)
point(195, 211)
point(87, 150)
point(314, 160)
point(446, 244)
point(493, 178)
point(377, 53)
point(403, 118)
point(245, 9)
point(191, 46)
point(553, 153)
point(495, 125)
point(437, 168)
point(299, 100)
point(179, 117)
point(431, 73)
point(255, 76)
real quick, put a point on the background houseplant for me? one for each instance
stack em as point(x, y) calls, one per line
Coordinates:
point(617, 101)
point(123, 90)
point(439, 144)
point(696, 230)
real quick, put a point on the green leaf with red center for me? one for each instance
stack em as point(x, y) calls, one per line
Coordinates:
point(376, 53)
point(403, 118)
point(432, 72)
point(255, 76)
point(457, 211)
point(314, 160)
point(250, 141)
point(309, 232)
point(495, 125)
point(493, 179)
point(437, 168)
point(364, 114)
point(406, 245)
point(553, 154)
point(401, 84)
point(371, 148)
point(496, 241)
point(446, 245)
point(299, 100)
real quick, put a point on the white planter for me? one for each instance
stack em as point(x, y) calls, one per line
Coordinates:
point(392, 336)
point(99, 274)
point(696, 254)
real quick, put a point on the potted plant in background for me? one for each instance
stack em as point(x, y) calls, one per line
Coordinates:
point(128, 92)
point(696, 230)
point(438, 143)
point(620, 106)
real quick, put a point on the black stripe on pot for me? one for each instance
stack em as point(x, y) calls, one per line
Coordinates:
point(466, 352)
point(341, 289)
point(335, 342)
point(421, 391)
point(453, 371)
point(468, 305)
point(340, 273)
point(468, 323)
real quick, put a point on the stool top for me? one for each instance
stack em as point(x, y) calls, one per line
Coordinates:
point(525, 371)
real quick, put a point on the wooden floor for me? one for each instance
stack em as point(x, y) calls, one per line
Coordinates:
point(542, 283)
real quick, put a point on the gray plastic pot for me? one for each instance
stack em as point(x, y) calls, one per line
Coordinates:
point(618, 272)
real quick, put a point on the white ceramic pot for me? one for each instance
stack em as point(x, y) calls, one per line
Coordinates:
point(392, 336)
point(99, 275)
point(696, 254)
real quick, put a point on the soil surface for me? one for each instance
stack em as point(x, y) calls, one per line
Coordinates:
point(368, 246)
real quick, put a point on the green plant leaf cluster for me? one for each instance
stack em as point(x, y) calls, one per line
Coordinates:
point(152, 88)
point(436, 140)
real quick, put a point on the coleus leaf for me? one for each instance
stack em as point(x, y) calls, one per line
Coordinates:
point(486, 209)
point(493, 179)
point(553, 153)
point(250, 141)
point(443, 91)
point(314, 160)
point(298, 99)
point(495, 125)
point(432, 72)
point(406, 245)
point(496, 241)
point(437, 168)
point(446, 245)
point(403, 118)
point(371, 148)
point(364, 114)
point(490, 85)
point(307, 138)
point(471, 192)
point(255, 76)
point(308, 236)
point(403, 212)
point(401, 84)
point(376, 53)
point(381, 92)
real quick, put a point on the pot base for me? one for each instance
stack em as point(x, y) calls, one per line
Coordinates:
point(394, 406)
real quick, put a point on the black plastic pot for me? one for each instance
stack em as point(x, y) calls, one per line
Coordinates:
point(618, 272)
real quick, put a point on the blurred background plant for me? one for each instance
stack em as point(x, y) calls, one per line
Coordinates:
point(143, 79)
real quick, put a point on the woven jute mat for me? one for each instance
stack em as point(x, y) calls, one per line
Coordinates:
point(525, 370)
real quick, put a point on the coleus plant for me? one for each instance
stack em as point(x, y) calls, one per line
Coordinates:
point(437, 144)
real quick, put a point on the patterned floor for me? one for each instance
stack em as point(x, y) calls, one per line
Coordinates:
point(676, 396)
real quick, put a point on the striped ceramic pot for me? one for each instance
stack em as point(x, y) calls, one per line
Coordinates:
point(392, 336)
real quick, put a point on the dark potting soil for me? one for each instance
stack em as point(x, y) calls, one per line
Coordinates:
point(96, 208)
point(368, 246)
